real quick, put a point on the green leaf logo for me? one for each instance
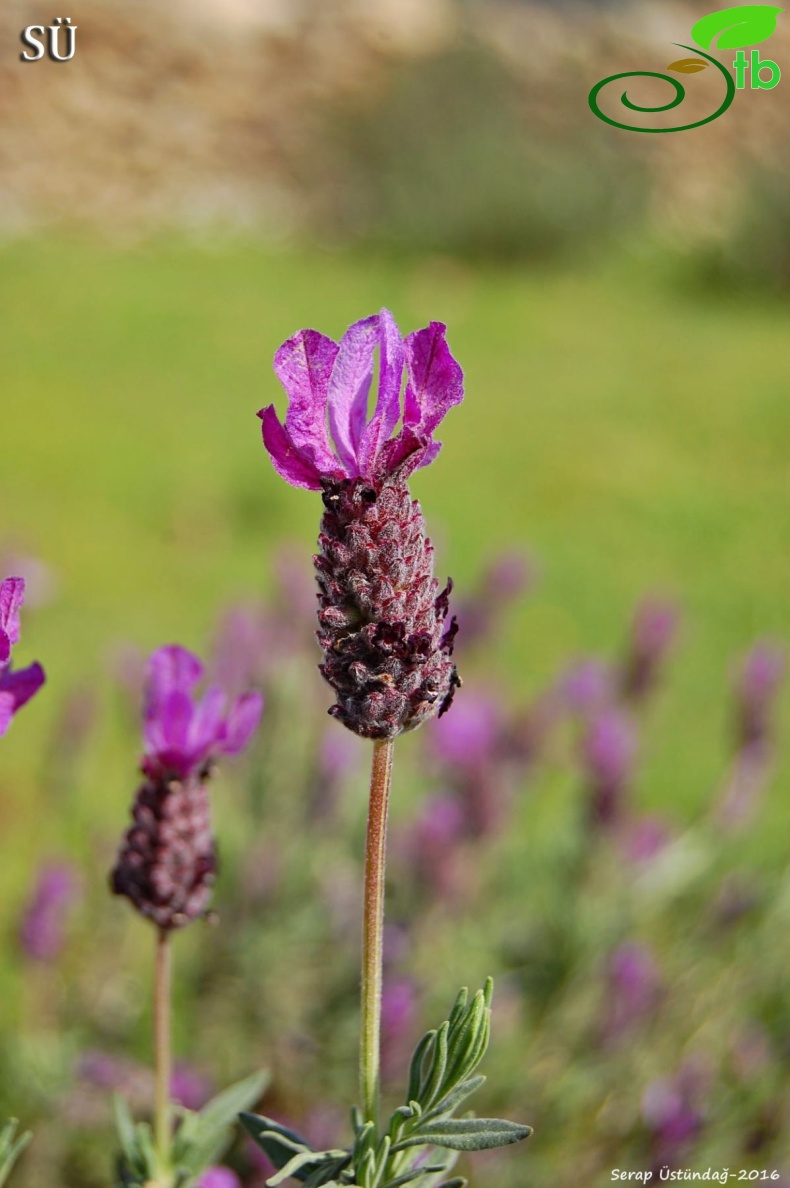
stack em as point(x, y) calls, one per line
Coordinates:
point(745, 24)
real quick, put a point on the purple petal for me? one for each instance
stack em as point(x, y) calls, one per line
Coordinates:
point(206, 726)
point(303, 366)
point(5, 647)
point(166, 727)
point(387, 412)
point(349, 386)
point(435, 379)
point(172, 667)
point(290, 464)
point(242, 721)
point(16, 688)
point(12, 595)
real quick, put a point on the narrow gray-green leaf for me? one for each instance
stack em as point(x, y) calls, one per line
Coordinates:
point(467, 1134)
point(223, 1109)
point(436, 1078)
point(415, 1174)
point(453, 1099)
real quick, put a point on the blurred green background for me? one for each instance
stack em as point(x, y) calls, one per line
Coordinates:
point(192, 188)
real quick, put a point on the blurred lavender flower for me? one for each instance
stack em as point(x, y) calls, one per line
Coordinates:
point(653, 632)
point(672, 1110)
point(757, 687)
point(105, 1071)
point(167, 860)
point(642, 838)
point(474, 749)
point(17, 686)
point(471, 734)
point(587, 687)
point(218, 1177)
point(338, 756)
point(43, 930)
point(430, 847)
point(633, 986)
point(503, 582)
point(759, 681)
point(608, 758)
point(242, 648)
point(399, 1014)
point(190, 1088)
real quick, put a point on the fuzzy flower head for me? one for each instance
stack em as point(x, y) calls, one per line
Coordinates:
point(182, 733)
point(327, 435)
point(16, 686)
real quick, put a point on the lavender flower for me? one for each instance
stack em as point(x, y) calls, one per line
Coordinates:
point(632, 985)
point(587, 686)
point(382, 622)
point(672, 1111)
point(504, 580)
point(759, 681)
point(653, 632)
point(218, 1177)
point(42, 933)
point(188, 1087)
point(399, 1013)
point(756, 690)
point(16, 686)
point(432, 846)
point(167, 861)
point(608, 753)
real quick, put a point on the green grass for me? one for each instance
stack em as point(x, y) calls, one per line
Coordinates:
point(633, 437)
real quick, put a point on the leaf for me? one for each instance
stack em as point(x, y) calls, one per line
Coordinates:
point(10, 1150)
point(458, 1182)
point(688, 65)
point(223, 1109)
point(416, 1173)
point(467, 1134)
point(454, 1098)
point(745, 24)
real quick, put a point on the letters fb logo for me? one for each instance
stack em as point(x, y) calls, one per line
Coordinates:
point(731, 28)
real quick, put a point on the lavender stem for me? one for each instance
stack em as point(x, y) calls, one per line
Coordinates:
point(373, 928)
point(162, 1050)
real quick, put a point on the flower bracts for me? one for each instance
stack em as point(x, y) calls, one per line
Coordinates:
point(382, 622)
point(17, 686)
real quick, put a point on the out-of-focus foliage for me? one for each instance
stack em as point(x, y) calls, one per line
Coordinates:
point(449, 158)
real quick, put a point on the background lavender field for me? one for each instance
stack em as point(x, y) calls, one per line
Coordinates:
point(601, 822)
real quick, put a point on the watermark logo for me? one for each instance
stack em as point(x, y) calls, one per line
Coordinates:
point(730, 28)
point(33, 38)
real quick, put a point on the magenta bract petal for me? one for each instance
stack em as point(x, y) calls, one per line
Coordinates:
point(289, 463)
point(5, 647)
point(16, 689)
point(172, 667)
point(349, 387)
point(387, 411)
point(435, 379)
point(303, 366)
point(206, 724)
point(12, 595)
point(167, 723)
point(242, 722)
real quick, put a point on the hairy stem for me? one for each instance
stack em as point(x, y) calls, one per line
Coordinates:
point(162, 1052)
point(373, 927)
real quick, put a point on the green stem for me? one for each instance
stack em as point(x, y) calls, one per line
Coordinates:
point(162, 1051)
point(373, 928)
